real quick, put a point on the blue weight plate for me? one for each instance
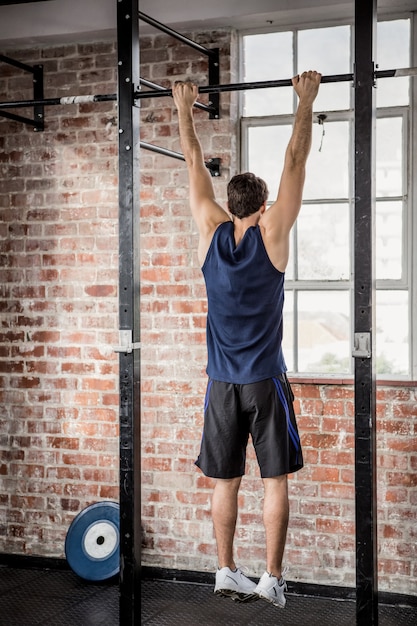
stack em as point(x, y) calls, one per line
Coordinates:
point(92, 544)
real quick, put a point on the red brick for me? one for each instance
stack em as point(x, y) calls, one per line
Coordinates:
point(79, 459)
point(69, 504)
point(325, 474)
point(109, 492)
point(330, 457)
point(393, 567)
point(341, 492)
point(396, 495)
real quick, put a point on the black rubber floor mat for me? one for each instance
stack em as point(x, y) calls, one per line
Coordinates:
point(30, 597)
point(55, 598)
point(175, 603)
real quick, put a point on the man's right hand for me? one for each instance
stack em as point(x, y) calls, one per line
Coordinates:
point(307, 85)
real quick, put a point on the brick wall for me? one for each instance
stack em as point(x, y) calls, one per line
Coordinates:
point(58, 201)
point(58, 302)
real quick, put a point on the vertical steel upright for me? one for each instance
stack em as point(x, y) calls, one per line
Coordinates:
point(129, 320)
point(364, 316)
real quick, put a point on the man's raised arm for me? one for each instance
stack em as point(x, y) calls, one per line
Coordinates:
point(280, 217)
point(207, 213)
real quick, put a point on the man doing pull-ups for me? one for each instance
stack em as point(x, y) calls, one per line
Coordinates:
point(243, 254)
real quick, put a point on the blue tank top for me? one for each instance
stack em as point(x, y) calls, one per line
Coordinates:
point(245, 294)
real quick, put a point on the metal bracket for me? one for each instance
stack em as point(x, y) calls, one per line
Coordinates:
point(362, 345)
point(214, 79)
point(38, 110)
point(126, 345)
point(213, 165)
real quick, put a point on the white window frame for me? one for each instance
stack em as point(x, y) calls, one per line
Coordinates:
point(408, 280)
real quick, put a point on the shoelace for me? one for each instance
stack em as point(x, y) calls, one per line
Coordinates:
point(243, 569)
point(282, 582)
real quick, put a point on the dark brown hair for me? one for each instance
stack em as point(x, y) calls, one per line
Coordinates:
point(246, 193)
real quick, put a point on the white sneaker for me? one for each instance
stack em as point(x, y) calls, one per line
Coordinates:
point(234, 584)
point(271, 589)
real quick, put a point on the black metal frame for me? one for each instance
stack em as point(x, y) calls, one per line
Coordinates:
point(129, 313)
point(364, 316)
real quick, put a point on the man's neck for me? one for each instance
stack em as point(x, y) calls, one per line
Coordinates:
point(242, 225)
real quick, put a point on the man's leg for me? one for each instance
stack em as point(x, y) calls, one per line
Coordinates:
point(276, 513)
point(230, 580)
point(224, 511)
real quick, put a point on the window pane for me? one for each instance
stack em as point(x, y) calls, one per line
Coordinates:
point(389, 241)
point(392, 333)
point(288, 337)
point(389, 157)
point(324, 332)
point(267, 57)
point(393, 52)
point(327, 50)
point(328, 168)
point(289, 272)
point(323, 242)
point(266, 152)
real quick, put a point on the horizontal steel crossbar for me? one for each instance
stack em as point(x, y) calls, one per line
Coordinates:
point(58, 101)
point(213, 165)
point(18, 64)
point(157, 91)
point(151, 85)
point(165, 29)
point(286, 82)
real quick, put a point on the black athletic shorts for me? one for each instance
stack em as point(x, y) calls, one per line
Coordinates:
point(263, 410)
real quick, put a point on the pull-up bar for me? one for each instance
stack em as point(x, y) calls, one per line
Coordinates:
point(157, 91)
point(286, 82)
point(57, 101)
point(151, 85)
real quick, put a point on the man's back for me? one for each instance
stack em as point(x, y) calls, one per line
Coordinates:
point(245, 295)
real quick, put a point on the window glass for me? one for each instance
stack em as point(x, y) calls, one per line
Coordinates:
point(267, 57)
point(324, 331)
point(389, 240)
point(327, 173)
point(323, 237)
point(393, 52)
point(318, 308)
point(267, 145)
point(327, 50)
point(288, 337)
point(392, 332)
point(389, 157)
point(289, 272)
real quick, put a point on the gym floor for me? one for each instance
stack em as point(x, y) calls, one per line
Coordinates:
point(39, 597)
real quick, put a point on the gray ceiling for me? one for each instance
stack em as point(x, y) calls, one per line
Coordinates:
point(66, 20)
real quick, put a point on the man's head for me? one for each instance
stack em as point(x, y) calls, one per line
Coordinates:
point(246, 194)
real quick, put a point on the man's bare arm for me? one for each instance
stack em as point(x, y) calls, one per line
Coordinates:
point(207, 213)
point(280, 217)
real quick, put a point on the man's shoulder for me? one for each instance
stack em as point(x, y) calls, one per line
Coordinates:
point(206, 238)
